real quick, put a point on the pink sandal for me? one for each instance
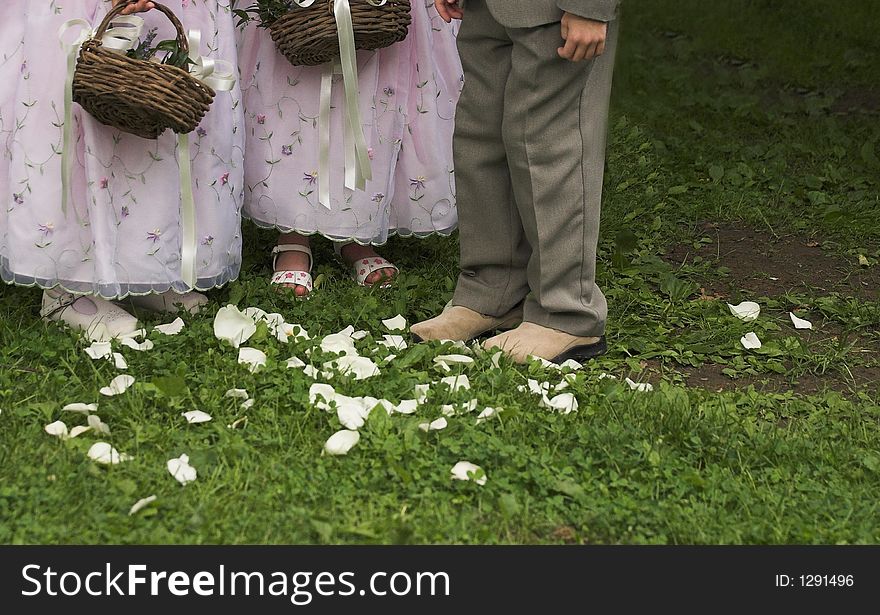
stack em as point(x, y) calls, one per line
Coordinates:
point(285, 276)
point(362, 268)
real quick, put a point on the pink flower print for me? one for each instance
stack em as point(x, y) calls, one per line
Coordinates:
point(24, 67)
point(417, 183)
point(377, 198)
point(104, 182)
point(154, 235)
point(286, 150)
point(207, 241)
point(389, 91)
point(261, 119)
point(310, 178)
point(224, 179)
point(370, 152)
point(46, 229)
point(18, 198)
point(201, 132)
point(125, 212)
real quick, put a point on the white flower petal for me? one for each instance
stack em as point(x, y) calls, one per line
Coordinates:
point(800, 323)
point(252, 357)
point(172, 328)
point(141, 504)
point(564, 403)
point(447, 410)
point(139, 346)
point(80, 407)
point(394, 342)
point(141, 333)
point(341, 442)
point(233, 326)
point(312, 372)
point(320, 395)
point(437, 425)
point(465, 470)
point(359, 335)
point(118, 385)
point(57, 429)
point(295, 362)
point(398, 323)
point(181, 470)
point(119, 361)
point(255, 313)
point(237, 394)
point(102, 452)
point(750, 341)
point(386, 405)
point(456, 383)
point(572, 364)
point(247, 404)
point(350, 415)
point(453, 358)
point(496, 358)
point(196, 416)
point(746, 311)
point(97, 424)
point(422, 392)
point(78, 430)
point(487, 413)
point(99, 350)
point(353, 365)
point(643, 387)
point(339, 343)
point(407, 406)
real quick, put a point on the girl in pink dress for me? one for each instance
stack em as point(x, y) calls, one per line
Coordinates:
point(120, 234)
point(407, 98)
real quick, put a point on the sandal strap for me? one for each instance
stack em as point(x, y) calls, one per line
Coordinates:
point(298, 278)
point(291, 247)
point(362, 268)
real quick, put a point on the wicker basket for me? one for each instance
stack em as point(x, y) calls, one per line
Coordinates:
point(307, 36)
point(140, 97)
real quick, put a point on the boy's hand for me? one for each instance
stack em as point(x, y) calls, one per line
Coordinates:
point(584, 38)
point(448, 10)
point(141, 6)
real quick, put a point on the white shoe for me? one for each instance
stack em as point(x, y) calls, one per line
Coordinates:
point(100, 319)
point(170, 302)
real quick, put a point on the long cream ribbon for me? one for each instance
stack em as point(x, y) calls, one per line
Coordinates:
point(122, 36)
point(357, 159)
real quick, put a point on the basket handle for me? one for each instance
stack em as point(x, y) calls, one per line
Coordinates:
point(182, 42)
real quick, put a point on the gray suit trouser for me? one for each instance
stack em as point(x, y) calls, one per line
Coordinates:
point(529, 160)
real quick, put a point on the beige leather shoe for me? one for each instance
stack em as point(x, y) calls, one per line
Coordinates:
point(463, 324)
point(530, 339)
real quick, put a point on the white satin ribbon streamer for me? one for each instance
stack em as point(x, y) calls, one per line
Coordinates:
point(216, 74)
point(357, 159)
point(121, 36)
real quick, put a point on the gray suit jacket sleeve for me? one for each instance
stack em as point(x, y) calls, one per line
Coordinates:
point(600, 10)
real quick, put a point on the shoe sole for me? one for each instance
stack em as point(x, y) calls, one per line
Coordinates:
point(584, 352)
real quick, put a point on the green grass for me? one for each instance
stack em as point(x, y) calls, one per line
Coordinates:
point(694, 137)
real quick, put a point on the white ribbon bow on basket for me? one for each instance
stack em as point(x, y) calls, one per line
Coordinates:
point(122, 36)
point(357, 158)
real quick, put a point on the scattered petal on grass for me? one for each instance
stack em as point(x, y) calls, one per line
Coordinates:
point(452, 358)
point(253, 358)
point(465, 470)
point(603, 376)
point(141, 504)
point(394, 342)
point(295, 362)
point(800, 323)
point(437, 425)
point(99, 350)
point(486, 414)
point(79, 430)
point(57, 429)
point(139, 346)
point(196, 416)
point(341, 442)
point(750, 341)
point(746, 311)
point(350, 415)
point(456, 383)
point(233, 326)
point(564, 403)
point(320, 395)
point(119, 361)
point(447, 410)
point(398, 323)
point(141, 333)
point(359, 335)
point(172, 328)
point(407, 406)
point(118, 385)
point(255, 313)
point(312, 372)
point(247, 404)
point(496, 358)
point(102, 452)
point(339, 343)
point(643, 387)
point(80, 407)
point(181, 470)
point(422, 392)
point(97, 424)
point(237, 394)
point(571, 364)
point(239, 421)
point(359, 367)
point(389, 358)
